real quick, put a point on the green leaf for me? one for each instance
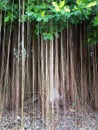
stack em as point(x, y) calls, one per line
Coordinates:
point(56, 6)
point(66, 8)
point(95, 21)
point(91, 4)
point(76, 12)
point(47, 36)
point(62, 3)
point(29, 13)
point(39, 18)
point(91, 41)
point(7, 19)
point(78, 2)
point(45, 19)
point(43, 13)
point(67, 15)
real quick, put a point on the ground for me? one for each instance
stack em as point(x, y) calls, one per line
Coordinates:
point(71, 119)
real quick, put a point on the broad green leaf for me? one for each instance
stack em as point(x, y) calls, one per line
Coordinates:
point(7, 19)
point(76, 13)
point(29, 13)
point(62, 3)
point(66, 9)
point(91, 4)
point(39, 18)
point(56, 6)
point(78, 2)
point(43, 13)
point(47, 17)
point(47, 36)
point(95, 21)
point(67, 15)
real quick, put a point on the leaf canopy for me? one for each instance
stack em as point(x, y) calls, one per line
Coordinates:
point(53, 14)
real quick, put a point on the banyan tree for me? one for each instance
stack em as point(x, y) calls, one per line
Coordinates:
point(49, 49)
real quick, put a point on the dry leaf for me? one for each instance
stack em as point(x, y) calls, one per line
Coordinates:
point(72, 110)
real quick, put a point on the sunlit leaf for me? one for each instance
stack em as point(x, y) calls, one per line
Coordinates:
point(56, 6)
point(43, 13)
point(66, 9)
point(91, 4)
point(6, 19)
point(78, 2)
point(62, 3)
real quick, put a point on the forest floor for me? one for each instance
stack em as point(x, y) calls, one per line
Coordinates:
point(71, 119)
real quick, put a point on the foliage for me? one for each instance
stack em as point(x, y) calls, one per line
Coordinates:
point(92, 35)
point(51, 16)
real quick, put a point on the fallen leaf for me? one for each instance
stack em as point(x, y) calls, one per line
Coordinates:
point(72, 110)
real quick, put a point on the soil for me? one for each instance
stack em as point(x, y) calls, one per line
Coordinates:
point(71, 119)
